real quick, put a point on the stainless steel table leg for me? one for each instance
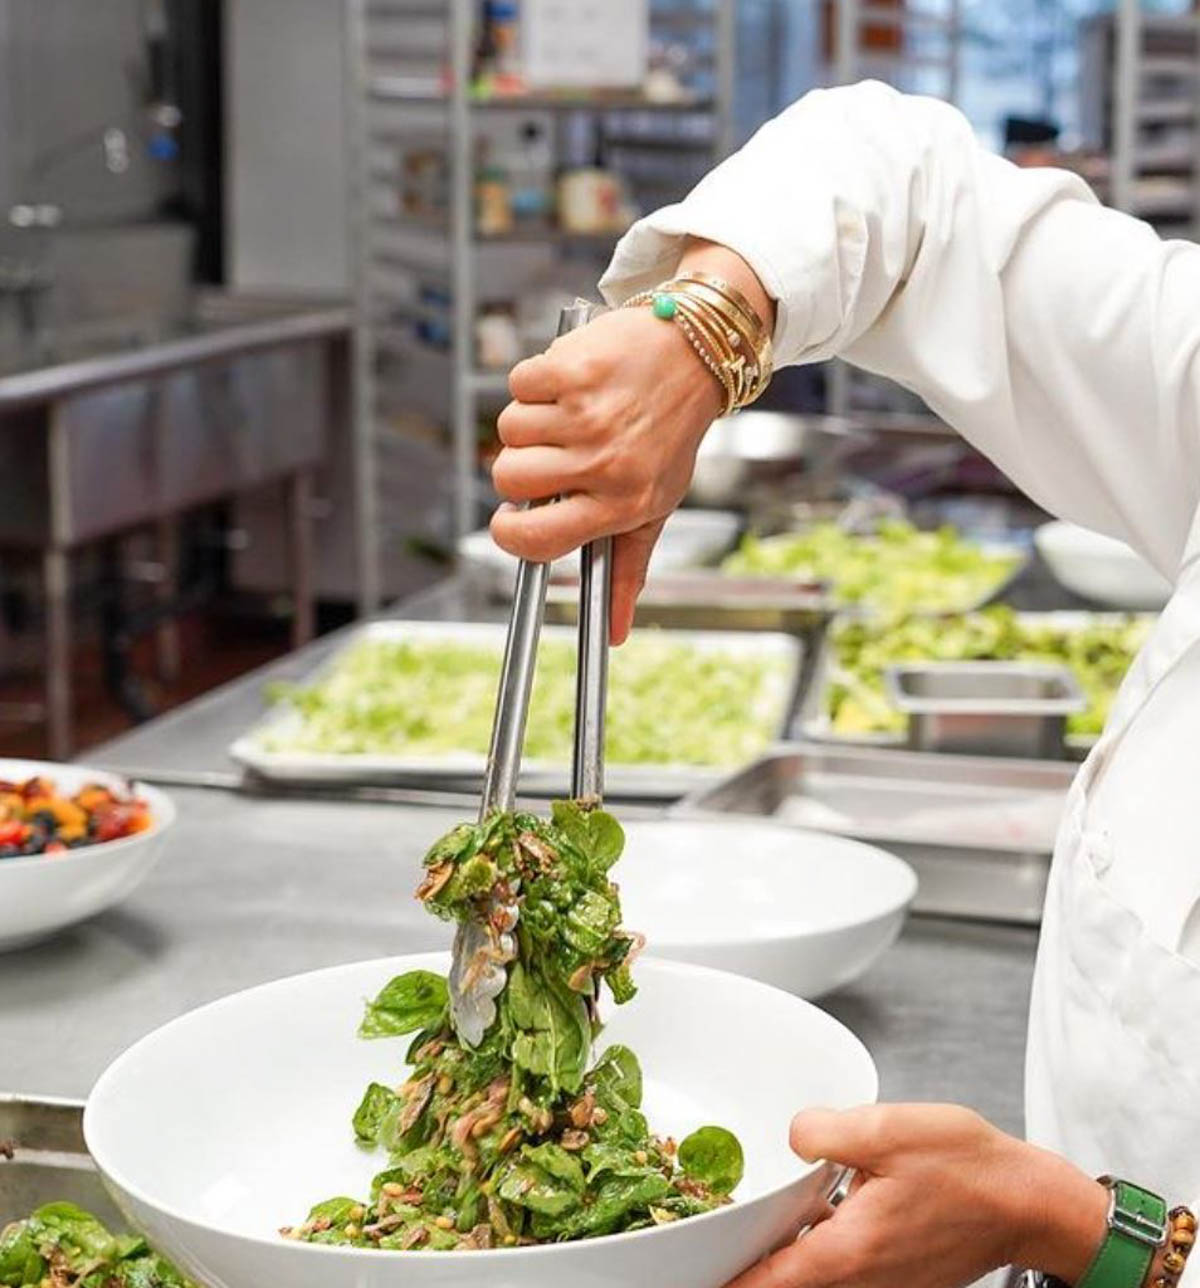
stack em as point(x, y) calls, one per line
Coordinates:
point(166, 635)
point(56, 580)
point(300, 494)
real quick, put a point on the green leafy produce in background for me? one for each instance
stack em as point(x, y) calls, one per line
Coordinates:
point(66, 1247)
point(523, 1139)
point(1099, 654)
point(897, 570)
point(669, 702)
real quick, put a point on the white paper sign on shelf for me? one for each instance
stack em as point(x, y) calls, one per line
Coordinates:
point(585, 44)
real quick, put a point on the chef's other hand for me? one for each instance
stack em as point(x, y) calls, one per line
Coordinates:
point(610, 418)
point(942, 1199)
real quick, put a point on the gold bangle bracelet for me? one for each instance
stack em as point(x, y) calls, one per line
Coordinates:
point(731, 293)
point(730, 361)
point(756, 348)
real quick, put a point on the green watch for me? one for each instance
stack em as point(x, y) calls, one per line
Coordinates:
point(1137, 1227)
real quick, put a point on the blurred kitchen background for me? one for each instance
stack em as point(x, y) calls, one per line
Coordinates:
point(264, 264)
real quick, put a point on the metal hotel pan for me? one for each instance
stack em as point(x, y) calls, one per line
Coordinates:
point(978, 830)
point(49, 1160)
point(986, 708)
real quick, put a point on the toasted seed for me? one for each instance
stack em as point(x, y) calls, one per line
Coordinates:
point(392, 1189)
point(444, 1222)
point(641, 1157)
point(445, 1085)
point(357, 1212)
point(352, 1231)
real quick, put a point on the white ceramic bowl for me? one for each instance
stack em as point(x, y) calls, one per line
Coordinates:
point(1100, 568)
point(232, 1121)
point(690, 539)
point(42, 894)
point(804, 911)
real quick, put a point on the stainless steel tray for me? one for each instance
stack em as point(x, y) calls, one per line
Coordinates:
point(985, 708)
point(813, 722)
point(49, 1160)
point(978, 830)
point(464, 771)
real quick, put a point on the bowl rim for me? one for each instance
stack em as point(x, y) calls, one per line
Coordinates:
point(903, 868)
point(162, 811)
point(440, 960)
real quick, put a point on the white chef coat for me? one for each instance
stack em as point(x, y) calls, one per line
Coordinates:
point(1063, 340)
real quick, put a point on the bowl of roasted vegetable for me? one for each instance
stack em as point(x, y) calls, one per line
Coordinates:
point(620, 1122)
point(73, 841)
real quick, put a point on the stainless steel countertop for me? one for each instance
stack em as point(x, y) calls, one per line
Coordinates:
point(249, 890)
point(204, 341)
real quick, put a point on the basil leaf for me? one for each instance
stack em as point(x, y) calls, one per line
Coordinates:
point(407, 1003)
point(714, 1156)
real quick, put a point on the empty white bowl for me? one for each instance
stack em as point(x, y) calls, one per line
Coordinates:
point(233, 1120)
point(42, 894)
point(804, 911)
point(1100, 568)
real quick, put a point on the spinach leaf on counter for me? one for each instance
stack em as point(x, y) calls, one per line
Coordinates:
point(522, 1139)
point(68, 1247)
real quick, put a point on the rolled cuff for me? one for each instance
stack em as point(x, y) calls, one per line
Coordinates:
point(651, 250)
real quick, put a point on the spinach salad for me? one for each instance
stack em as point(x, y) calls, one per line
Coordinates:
point(62, 1246)
point(524, 1138)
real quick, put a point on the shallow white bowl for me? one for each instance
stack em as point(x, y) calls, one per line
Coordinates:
point(42, 894)
point(1100, 568)
point(804, 911)
point(690, 539)
point(233, 1120)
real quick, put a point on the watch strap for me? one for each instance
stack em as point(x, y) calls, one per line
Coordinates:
point(1137, 1225)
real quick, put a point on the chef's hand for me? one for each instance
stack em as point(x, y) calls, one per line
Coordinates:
point(942, 1198)
point(610, 418)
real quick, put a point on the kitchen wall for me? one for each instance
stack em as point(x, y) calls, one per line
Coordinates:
point(69, 70)
point(285, 140)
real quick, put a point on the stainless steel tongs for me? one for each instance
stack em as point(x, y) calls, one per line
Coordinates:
point(483, 949)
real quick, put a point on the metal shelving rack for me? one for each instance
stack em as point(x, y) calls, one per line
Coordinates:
point(928, 51)
point(419, 282)
point(1141, 78)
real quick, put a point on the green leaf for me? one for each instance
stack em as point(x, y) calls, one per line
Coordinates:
point(557, 1162)
point(77, 1234)
point(554, 1033)
point(590, 921)
point(20, 1261)
point(618, 1073)
point(337, 1211)
point(377, 1103)
point(621, 985)
point(529, 1186)
point(614, 1204)
point(409, 1002)
point(714, 1156)
point(597, 836)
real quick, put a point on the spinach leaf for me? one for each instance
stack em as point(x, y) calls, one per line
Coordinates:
point(409, 1002)
point(532, 1187)
point(590, 921)
point(714, 1156)
point(377, 1103)
point(597, 836)
point(558, 1163)
point(20, 1262)
point(613, 1204)
point(618, 1073)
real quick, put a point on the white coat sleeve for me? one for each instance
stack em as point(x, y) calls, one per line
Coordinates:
point(1062, 339)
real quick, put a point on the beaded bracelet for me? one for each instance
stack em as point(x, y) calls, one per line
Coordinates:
point(1181, 1236)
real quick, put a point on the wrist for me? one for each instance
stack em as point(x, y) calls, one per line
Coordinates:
point(709, 257)
point(1062, 1217)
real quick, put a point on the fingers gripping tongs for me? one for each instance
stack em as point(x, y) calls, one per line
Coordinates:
point(483, 949)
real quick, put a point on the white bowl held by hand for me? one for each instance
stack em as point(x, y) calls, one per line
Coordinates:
point(41, 894)
point(804, 911)
point(1100, 568)
point(233, 1120)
